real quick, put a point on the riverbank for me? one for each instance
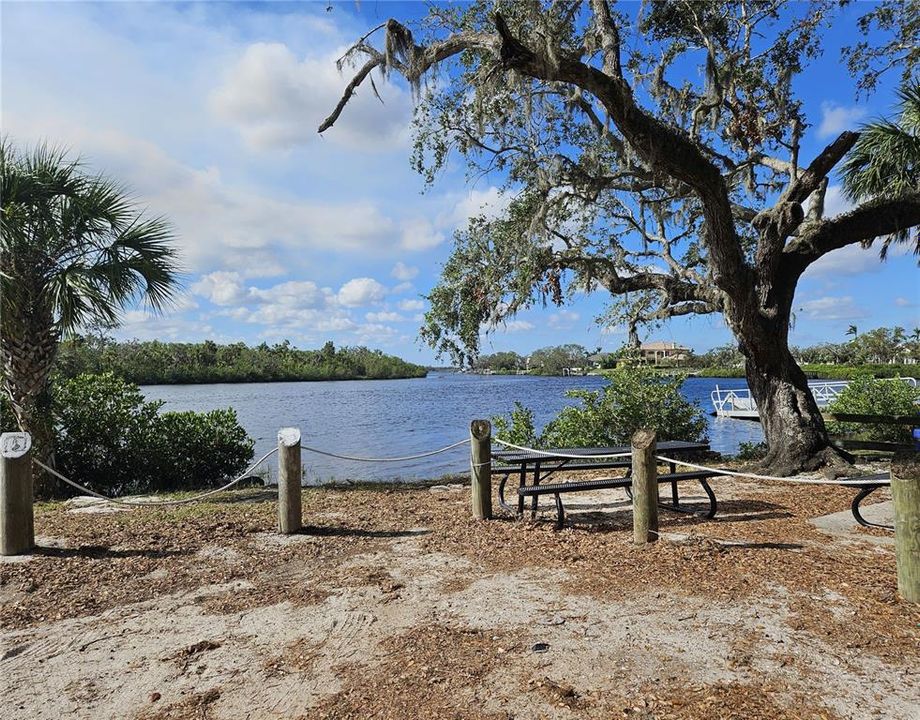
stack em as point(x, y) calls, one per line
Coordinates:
point(394, 603)
point(818, 372)
point(160, 363)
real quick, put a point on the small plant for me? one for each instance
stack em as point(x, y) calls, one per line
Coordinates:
point(751, 451)
point(868, 396)
point(518, 429)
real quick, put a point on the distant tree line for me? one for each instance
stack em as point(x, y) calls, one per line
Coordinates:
point(880, 346)
point(551, 360)
point(155, 362)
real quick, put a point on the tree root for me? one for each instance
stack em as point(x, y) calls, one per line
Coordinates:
point(831, 461)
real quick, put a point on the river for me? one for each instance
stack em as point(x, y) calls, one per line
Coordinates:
point(376, 418)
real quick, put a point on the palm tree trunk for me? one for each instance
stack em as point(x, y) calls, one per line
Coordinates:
point(26, 371)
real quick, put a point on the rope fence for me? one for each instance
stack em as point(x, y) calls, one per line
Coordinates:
point(155, 503)
point(718, 471)
point(235, 481)
point(404, 458)
point(794, 480)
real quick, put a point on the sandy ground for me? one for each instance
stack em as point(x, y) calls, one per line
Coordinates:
point(394, 604)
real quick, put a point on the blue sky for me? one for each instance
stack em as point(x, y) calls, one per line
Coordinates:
point(209, 113)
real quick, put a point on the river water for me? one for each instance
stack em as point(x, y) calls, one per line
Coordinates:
point(376, 418)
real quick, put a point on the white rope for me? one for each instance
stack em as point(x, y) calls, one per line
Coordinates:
point(566, 456)
point(155, 503)
point(384, 459)
point(799, 481)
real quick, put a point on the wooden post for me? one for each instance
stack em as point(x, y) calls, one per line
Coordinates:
point(290, 475)
point(905, 492)
point(481, 468)
point(644, 487)
point(17, 527)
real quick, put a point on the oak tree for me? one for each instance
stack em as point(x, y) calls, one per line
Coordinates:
point(652, 153)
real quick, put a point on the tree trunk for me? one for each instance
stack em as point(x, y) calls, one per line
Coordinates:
point(797, 439)
point(27, 367)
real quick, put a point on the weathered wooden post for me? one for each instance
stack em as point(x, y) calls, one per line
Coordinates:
point(644, 487)
point(290, 476)
point(481, 468)
point(17, 526)
point(905, 492)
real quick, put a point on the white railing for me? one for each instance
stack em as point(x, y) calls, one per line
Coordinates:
point(740, 403)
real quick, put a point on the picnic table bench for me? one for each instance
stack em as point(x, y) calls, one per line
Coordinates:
point(541, 465)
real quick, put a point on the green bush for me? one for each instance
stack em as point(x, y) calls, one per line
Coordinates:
point(517, 429)
point(202, 448)
point(637, 397)
point(113, 441)
point(868, 396)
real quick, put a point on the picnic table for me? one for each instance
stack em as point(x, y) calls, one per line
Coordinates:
point(539, 466)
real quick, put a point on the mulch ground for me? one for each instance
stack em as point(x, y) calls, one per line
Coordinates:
point(753, 545)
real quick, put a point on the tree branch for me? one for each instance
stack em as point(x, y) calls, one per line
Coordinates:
point(873, 219)
point(811, 177)
point(350, 90)
point(610, 35)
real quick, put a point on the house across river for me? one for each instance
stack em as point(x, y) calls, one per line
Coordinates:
point(664, 353)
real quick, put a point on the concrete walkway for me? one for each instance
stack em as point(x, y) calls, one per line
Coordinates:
point(844, 525)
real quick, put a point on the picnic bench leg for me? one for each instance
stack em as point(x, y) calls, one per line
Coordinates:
point(672, 468)
point(536, 481)
point(560, 512)
point(520, 509)
point(712, 499)
point(854, 506)
point(501, 494)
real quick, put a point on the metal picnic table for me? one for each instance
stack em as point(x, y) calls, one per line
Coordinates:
point(541, 465)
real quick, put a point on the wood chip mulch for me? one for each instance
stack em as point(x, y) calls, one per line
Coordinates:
point(759, 544)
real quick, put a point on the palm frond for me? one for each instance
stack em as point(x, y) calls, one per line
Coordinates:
point(76, 244)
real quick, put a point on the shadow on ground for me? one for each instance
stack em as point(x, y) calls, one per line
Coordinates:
point(101, 552)
point(338, 531)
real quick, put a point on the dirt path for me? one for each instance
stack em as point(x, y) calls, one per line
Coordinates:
point(395, 605)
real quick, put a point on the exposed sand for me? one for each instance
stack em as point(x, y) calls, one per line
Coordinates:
point(383, 613)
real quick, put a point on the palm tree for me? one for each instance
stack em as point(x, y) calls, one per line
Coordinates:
point(885, 161)
point(74, 251)
point(852, 331)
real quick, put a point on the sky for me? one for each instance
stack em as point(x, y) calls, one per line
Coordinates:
point(208, 113)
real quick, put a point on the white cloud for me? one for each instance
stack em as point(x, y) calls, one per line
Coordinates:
point(296, 293)
point(361, 291)
point(833, 308)
point(835, 202)
point(411, 305)
point(221, 288)
point(142, 325)
point(384, 317)
point(402, 288)
point(563, 320)
point(276, 100)
point(219, 225)
point(403, 272)
point(851, 260)
point(837, 118)
point(490, 203)
point(905, 302)
point(511, 326)
point(420, 234)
